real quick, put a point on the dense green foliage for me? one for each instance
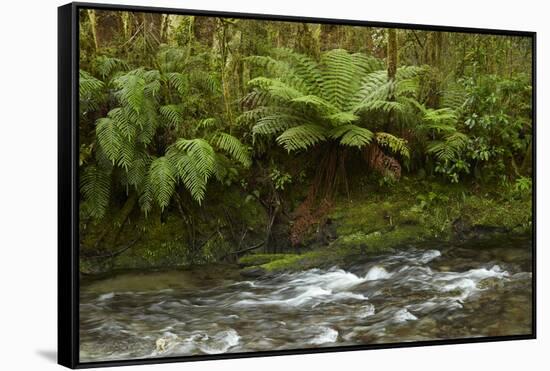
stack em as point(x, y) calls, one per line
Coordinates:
point(188, 119)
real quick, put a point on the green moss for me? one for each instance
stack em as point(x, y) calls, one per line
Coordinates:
point(382, 241)
point(510, 214)
point(260, 259)
point(289, 262)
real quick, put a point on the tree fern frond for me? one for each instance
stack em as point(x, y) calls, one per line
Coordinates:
point(109, 137)
point(303, 66)
point(188, 173)
point(352, 135)
point(106, 66)
point(146, 197)
point(172, 113)
point(123, 121)
point(318, 102)
point(380, 105)
point(208, 122)
point(454, 97)
point(276, 88)
point(201, 152)
point(442, 150)
point(301, 137)
point(179, 81)
point(277, 123)
point(272, 66)
point(395, 144)
point(234, 148)
point(450, 147)
point(95, 187)
point(340, 77)
point(131, 90)
point(126, 153)
point(341, 118)
point(205, 80)
point(136, 173)
point(152, 89)
point(88, 86)
point(440, 120)
point(162, 180)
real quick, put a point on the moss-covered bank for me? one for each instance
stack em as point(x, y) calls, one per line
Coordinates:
point(366, 223)
point(369, 223)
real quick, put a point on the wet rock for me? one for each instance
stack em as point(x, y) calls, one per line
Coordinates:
point(253, 272)
point(490, 283)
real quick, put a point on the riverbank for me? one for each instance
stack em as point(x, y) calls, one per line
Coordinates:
point(370, 224)
point(365, 223)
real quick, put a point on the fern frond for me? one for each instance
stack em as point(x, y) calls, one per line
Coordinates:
point(395, 144)
point(205, 80)
point(341, 118)
point(131, 90)
point(162, 180)
point(277, 123)
point(238, 151)
point(146, 197)
point(275, 88)
point(303, 67)
point(179, 81)
point(188, 173)
point(201, 152)
point(340, 77)
point(136, 173)
point(454, 97)
point(106, 66)
point(301, 137)
point(123, 121)
point(352, 135)
point(449, 148)
point(109, 137)
point(172, 113)
point(88, 86)
point(207, 123)
point(95, 187)
point(317, 102)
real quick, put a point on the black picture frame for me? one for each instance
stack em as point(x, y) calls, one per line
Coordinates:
point(68, 180)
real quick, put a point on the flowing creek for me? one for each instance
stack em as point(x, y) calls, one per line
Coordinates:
point(434, 291)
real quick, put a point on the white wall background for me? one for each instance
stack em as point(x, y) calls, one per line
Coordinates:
point(28, 182)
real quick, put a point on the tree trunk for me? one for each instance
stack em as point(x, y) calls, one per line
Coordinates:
point(391, 61)
point(106, 25)
point(391, 58)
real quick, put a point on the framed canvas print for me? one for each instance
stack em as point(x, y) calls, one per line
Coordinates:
point(238, 185)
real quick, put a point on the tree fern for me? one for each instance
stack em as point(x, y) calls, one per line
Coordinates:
point(307, 102)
